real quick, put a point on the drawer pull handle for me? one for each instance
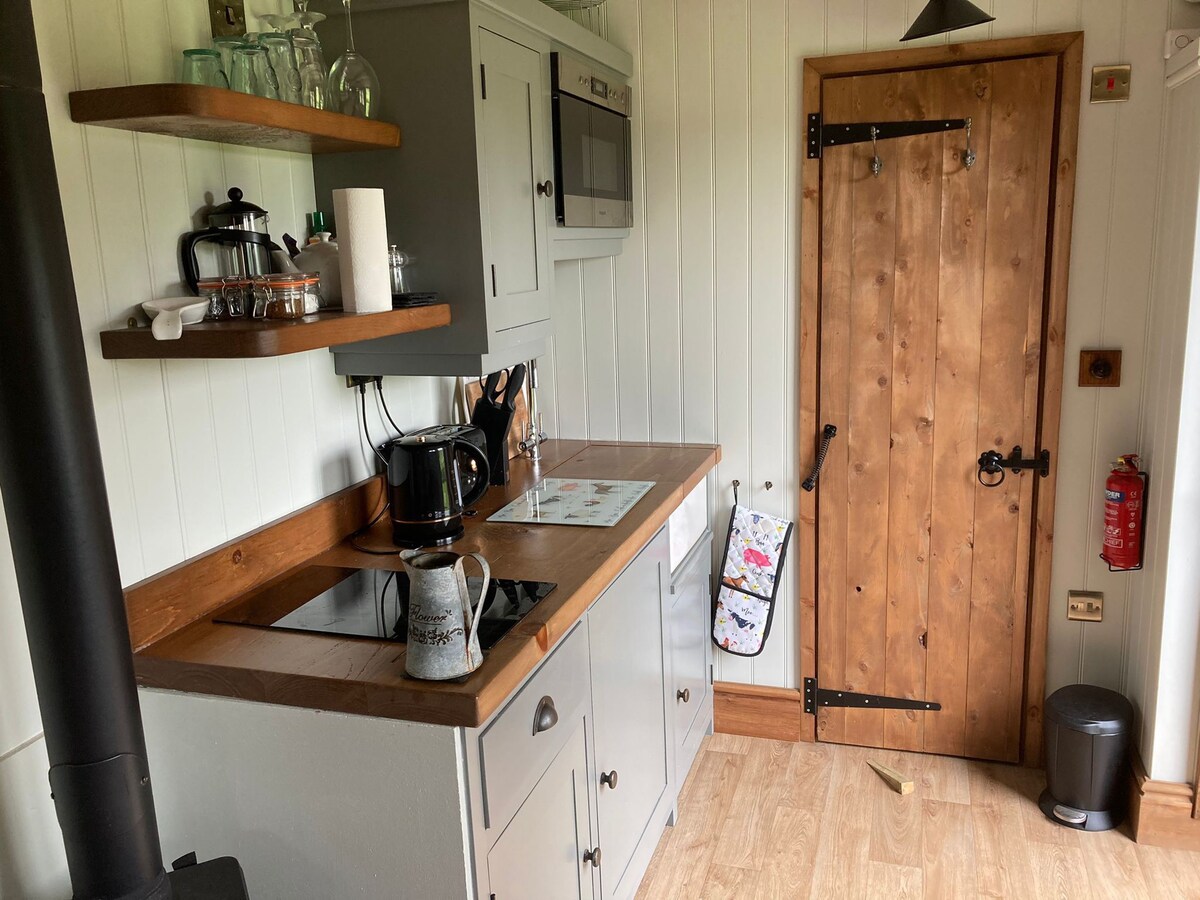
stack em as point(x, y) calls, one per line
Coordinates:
point(609, 778)
point(545, 189)
point(592, 856)
point(685, 695)
point(546, 716)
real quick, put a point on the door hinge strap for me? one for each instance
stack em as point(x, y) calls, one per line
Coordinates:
point(482, 81)
point(815, 696)
point(822, 135)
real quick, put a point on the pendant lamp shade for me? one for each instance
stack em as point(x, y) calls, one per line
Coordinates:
point(941, 16)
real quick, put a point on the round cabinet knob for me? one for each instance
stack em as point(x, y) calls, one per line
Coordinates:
point(685, 695)
point(546, 189)
point(546, 716)
point(609, 778)
point(592, 856)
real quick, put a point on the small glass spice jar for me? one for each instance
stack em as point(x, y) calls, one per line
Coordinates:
point(226, 297)
point(279, 296)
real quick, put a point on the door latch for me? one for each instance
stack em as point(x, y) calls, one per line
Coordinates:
point(992, 466)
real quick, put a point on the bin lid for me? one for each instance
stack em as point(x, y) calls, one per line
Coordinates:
point(1090, 709)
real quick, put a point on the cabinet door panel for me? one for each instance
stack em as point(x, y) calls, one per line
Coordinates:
point(540, 854)
point(512, 129)
point(689, 641)
point(625, 627)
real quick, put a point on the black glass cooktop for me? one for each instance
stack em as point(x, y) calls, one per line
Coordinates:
point(373, 603)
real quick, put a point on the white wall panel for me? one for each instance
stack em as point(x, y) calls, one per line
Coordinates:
point(718, 276)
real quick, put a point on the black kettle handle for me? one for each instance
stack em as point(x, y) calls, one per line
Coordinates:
point(485, 471)
point(187, 250)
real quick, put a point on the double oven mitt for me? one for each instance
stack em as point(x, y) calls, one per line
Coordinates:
point(745, 603)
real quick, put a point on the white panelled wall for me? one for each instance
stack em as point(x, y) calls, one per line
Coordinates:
point(691, 333)
point(195, 453)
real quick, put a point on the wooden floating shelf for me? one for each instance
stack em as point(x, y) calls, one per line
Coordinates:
point(228, 117)
point(256, 338)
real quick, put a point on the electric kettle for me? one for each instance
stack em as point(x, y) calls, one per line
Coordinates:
point(240, 228)
point(425, 480)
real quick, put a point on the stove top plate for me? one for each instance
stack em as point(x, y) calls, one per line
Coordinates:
point(372, 603)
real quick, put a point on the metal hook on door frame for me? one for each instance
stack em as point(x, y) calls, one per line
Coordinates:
point(876, 162)
point(969, 153)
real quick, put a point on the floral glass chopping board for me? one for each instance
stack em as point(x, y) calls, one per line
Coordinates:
point(574, 501)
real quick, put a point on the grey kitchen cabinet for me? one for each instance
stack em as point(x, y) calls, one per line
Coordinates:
point(689, 621)
point(541, 853)
point(469, 194)
point(625, 627)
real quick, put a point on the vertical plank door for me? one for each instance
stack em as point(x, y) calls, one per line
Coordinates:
point(932, 294)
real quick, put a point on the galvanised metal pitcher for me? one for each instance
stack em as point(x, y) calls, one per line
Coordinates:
point(443, 629)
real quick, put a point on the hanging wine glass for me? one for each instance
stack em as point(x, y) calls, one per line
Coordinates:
point(276, 21)
point(304, 19)
point(353, 85)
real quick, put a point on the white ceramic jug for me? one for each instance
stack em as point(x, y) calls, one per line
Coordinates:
point(443, 630)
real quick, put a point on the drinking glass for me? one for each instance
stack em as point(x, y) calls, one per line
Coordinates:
point(353, 84)
point(225, 45)
point(203, 67)
point(282, 57)
point(310, 61)
point(252, 72)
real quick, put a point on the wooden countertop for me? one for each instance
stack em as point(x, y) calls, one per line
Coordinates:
point(180, 647)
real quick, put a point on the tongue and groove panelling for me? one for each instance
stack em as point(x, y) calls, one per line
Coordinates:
point(691, 333)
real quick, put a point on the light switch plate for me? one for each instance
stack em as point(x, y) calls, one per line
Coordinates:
point(227, 17)
point(1110, 84)
point(1085, 606)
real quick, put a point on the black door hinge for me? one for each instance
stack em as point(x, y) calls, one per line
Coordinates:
point(815, 696)
point(493, 281)
point(822, 135)
point(483, 93)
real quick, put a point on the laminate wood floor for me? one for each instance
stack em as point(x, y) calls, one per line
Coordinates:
point(770, 819)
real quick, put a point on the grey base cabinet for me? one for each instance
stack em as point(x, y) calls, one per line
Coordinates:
point(562, 794)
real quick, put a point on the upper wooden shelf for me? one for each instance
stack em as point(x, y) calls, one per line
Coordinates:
point(229, 117)
point(251, 338)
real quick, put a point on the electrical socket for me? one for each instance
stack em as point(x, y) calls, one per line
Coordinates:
point(1085, 606)
point(353, 381)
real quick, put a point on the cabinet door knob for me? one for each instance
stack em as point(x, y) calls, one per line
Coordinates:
point(546, 188)
point(592, 856)
point(546, 716)
point(685, 695)
point(609, 778)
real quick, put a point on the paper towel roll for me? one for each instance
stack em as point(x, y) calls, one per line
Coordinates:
point(363, 249)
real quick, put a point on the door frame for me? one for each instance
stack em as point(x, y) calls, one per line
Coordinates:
point(1068, 49)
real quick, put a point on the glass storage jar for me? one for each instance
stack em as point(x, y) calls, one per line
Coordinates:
point(279, 296)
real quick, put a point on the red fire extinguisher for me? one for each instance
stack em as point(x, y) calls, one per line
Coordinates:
point(1124, 515)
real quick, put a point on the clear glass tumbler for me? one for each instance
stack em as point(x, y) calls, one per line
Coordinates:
point(252, 72)
point(203, 67)
point(225, 45)
point(310, 61)
point(282, 57)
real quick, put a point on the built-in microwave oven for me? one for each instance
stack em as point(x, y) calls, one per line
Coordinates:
point(593, 159)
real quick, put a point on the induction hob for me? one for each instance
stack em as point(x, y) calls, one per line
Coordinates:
point(373, 603)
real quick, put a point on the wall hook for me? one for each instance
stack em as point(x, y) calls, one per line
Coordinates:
point(968, 154)
point(768, 485)
point(736, 484)
point(876, 162)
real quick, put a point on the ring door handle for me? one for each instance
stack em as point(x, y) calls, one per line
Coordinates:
point(545, 717)
point(545, 188)
point(685, 695)
point(609, 778)
point(828, 433)
point(592, 856)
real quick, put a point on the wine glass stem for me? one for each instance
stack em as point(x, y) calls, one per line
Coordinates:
point(349, 27)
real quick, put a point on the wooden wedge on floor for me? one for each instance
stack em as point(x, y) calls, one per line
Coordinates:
point(898, 783)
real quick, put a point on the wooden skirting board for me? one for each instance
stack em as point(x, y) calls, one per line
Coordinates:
point(754, 711)
point(1160, 812)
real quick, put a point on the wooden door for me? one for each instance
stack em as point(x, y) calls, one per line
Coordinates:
point(540, 854)
point(512, 142)
point(932, 295)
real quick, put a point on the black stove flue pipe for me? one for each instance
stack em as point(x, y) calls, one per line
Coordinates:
point(52, 483)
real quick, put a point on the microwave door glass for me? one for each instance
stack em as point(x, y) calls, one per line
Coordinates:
point(610, 182)
point(575, 156)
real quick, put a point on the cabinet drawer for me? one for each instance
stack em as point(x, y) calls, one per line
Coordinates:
point(512, 754)
point(688, 524)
